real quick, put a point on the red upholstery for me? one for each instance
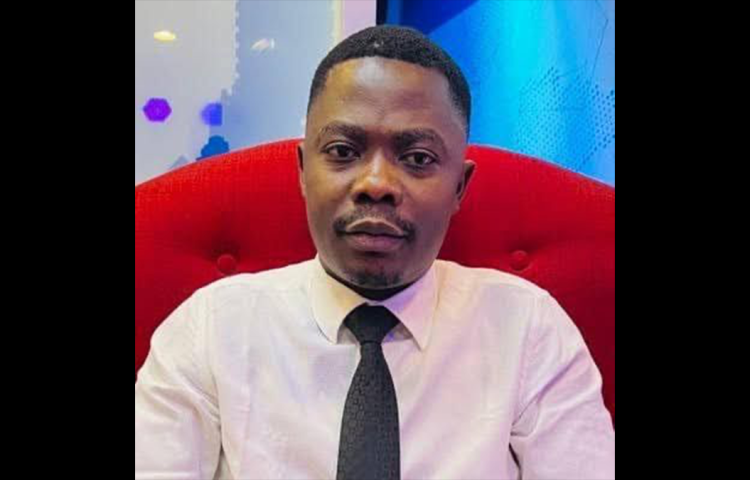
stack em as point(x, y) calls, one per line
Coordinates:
point(243, 212)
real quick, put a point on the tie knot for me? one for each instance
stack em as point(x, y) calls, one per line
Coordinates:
point(370, 324)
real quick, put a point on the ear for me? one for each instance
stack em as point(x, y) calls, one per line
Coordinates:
point(470, 167)
point(301, 167)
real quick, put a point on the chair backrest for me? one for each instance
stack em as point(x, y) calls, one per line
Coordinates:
point(243, 212)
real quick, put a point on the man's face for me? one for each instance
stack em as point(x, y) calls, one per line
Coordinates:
point(382, 170)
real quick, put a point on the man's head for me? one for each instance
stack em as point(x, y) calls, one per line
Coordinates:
point(382, 166)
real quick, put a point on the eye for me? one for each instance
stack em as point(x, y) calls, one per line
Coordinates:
point(341, 152)
point(419, 160)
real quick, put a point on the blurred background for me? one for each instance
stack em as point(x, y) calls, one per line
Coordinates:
point(218, 75)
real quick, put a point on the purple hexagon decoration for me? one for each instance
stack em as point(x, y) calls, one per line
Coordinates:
point(157, 110)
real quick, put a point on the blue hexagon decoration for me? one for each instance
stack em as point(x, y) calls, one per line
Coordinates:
point(213, 115)
point(216, 145)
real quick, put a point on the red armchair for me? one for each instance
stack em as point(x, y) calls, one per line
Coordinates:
point(243, 212)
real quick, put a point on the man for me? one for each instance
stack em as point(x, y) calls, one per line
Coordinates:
point(374, 360)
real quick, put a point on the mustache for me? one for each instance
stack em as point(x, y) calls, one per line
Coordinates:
point(341, 224)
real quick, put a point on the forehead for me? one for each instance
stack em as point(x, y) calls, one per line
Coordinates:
point(375, 92)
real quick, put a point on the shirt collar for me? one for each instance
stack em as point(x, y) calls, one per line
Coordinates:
point(332, 301)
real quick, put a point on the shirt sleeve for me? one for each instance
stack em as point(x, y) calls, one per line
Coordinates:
point(563, 429)
point(177, 426)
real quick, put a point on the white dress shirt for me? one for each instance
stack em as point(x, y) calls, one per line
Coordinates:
point(248, 380)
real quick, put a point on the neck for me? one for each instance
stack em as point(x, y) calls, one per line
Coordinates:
point(377, 295)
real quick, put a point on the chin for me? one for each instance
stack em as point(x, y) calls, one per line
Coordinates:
point(376, 280)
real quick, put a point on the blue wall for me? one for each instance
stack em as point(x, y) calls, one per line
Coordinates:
point(542, 73)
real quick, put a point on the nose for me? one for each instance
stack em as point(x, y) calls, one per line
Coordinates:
point(378, 182)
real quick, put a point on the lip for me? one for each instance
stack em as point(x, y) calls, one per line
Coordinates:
point(375, 228)
point(365, 242)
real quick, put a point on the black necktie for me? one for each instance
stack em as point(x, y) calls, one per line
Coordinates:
point(370, 445)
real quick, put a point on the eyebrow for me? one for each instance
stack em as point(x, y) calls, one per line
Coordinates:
point(352, 132)
point(407, 138)
point(401, 140)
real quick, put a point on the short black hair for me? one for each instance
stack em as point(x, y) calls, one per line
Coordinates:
point(397, 43)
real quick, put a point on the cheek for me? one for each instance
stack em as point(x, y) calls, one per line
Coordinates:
point(327, 192)
point(435, 219)
point(434, 224)
point(324, 200)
